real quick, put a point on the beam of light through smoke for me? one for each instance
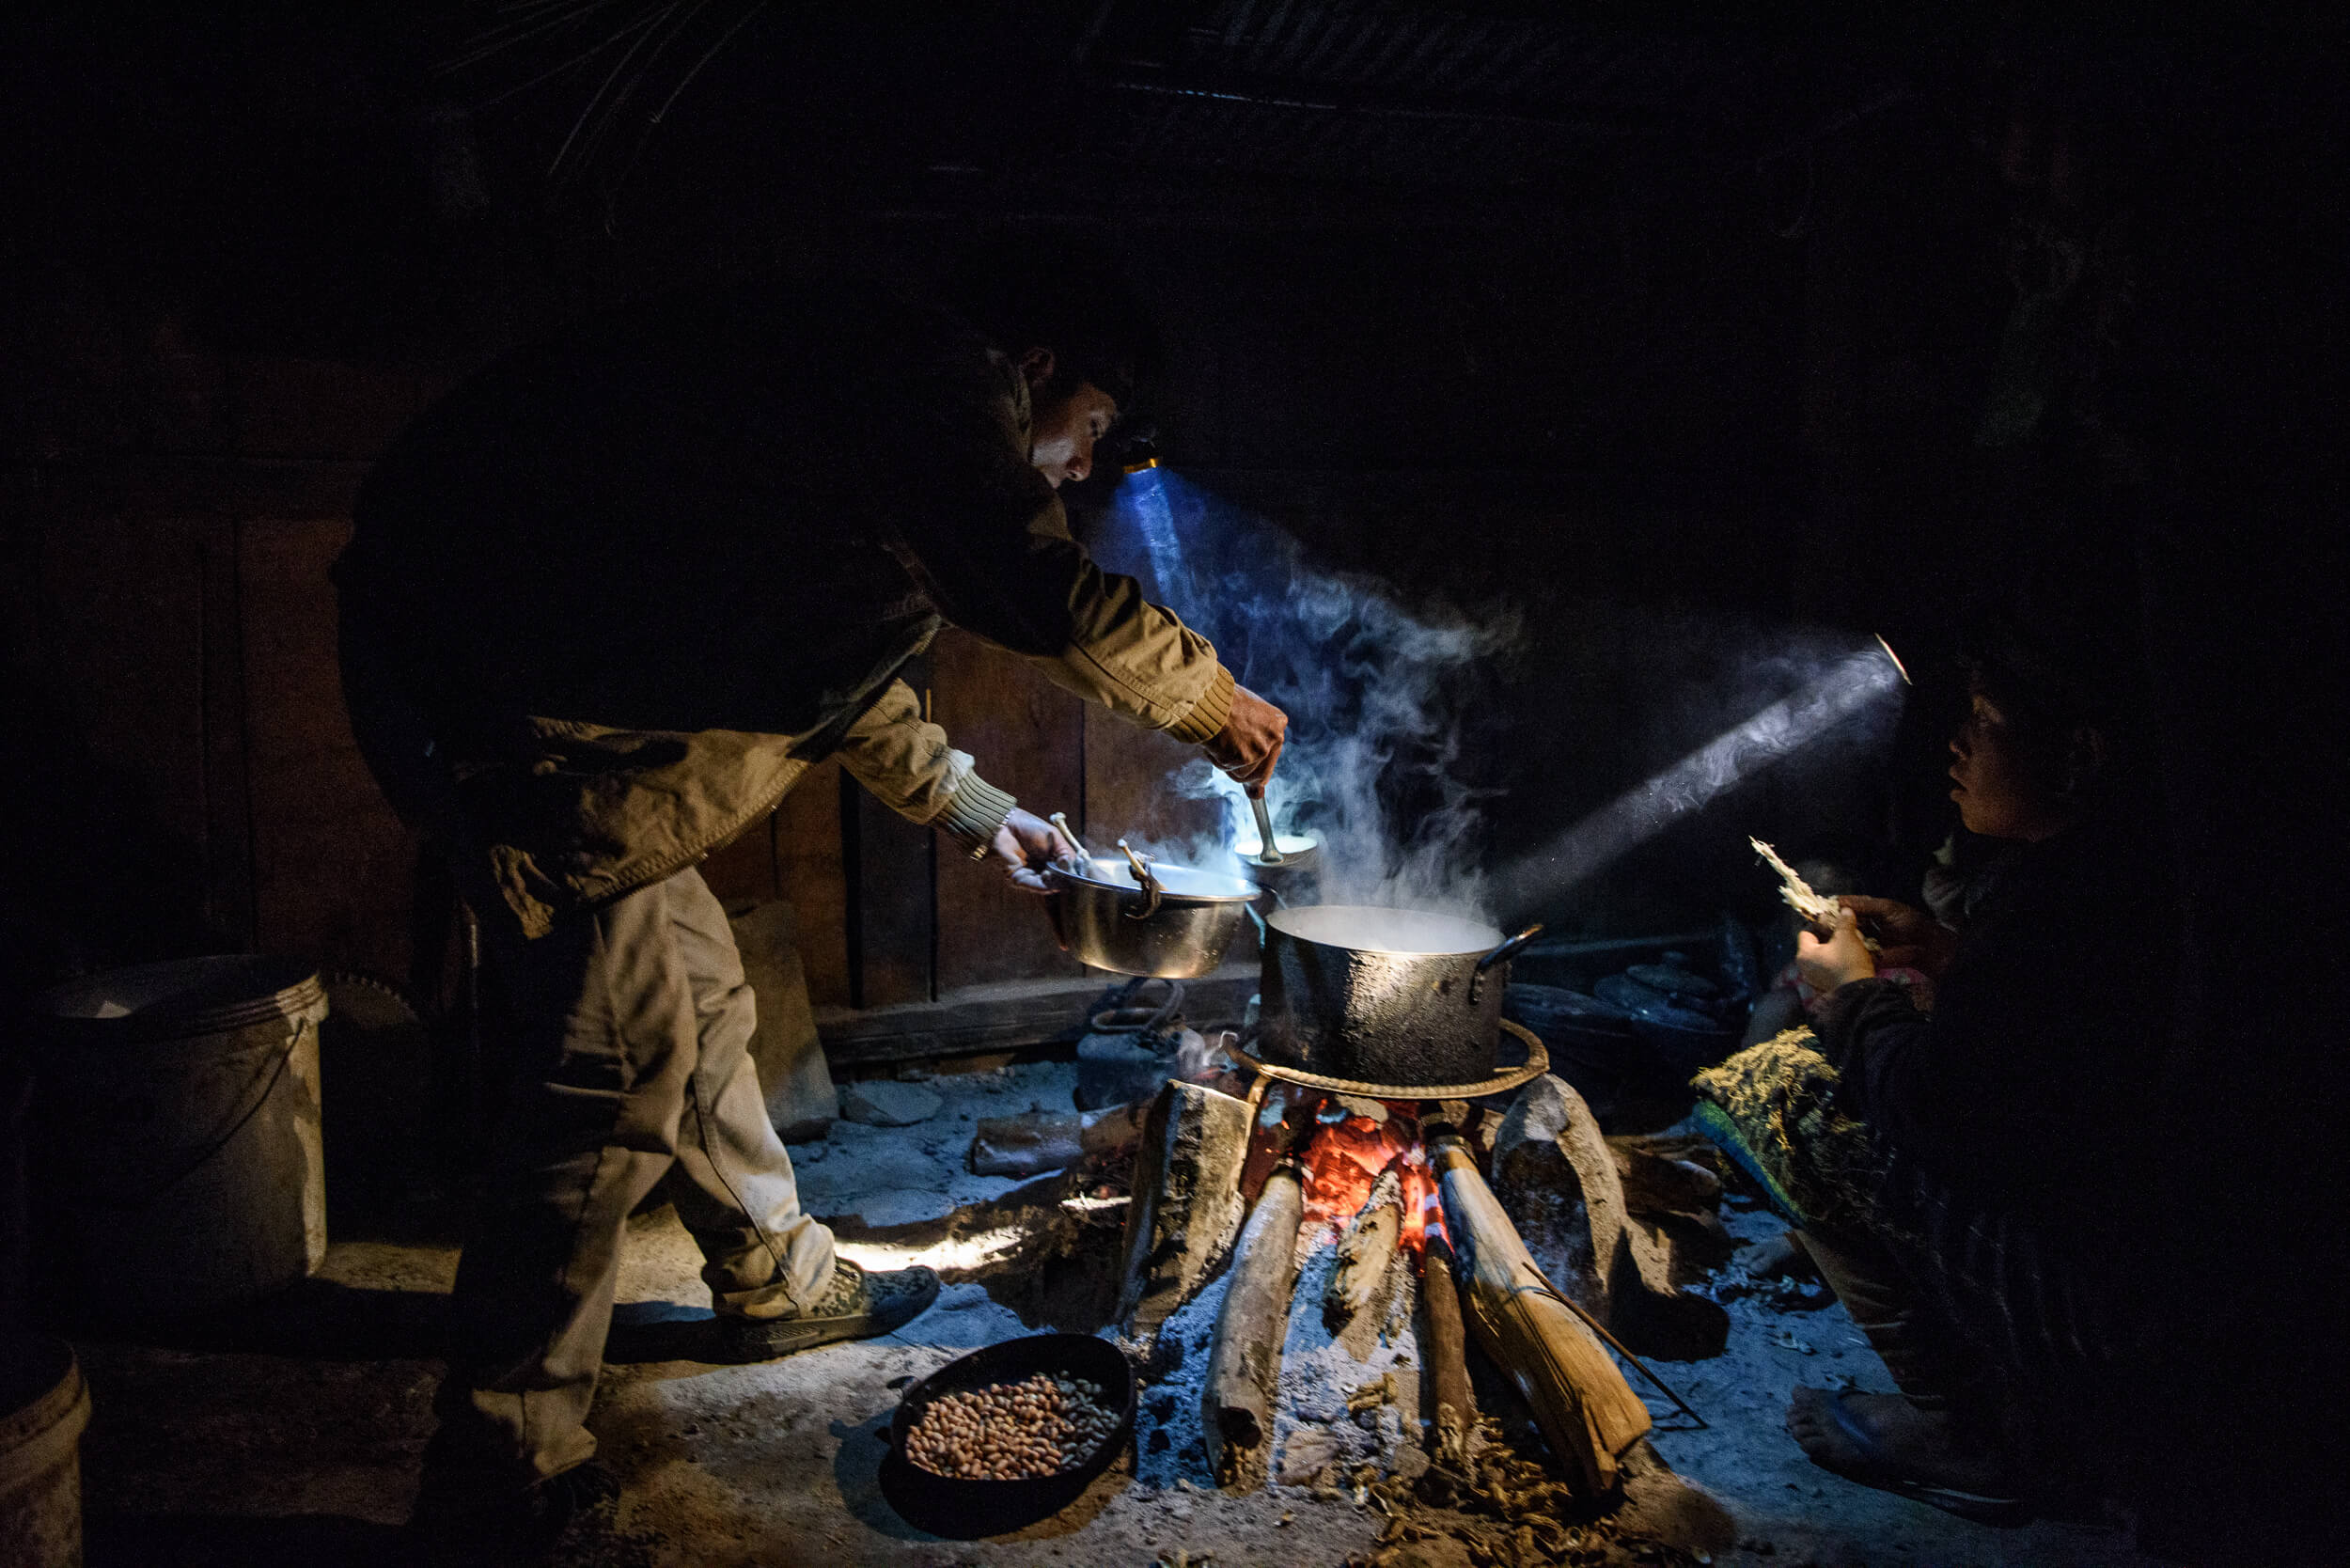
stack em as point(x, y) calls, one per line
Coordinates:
point(1374, 692)
point(1846, 688)
point(1143, 498)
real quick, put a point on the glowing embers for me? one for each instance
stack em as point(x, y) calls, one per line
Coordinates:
point(1348, 1153)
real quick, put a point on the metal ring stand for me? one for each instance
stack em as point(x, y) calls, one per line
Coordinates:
point(1537, 1063)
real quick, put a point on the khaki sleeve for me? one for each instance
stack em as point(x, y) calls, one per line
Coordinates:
point(1136, 658)
point(903, 760)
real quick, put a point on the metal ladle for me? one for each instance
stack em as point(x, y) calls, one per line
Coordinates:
point(1269, 850)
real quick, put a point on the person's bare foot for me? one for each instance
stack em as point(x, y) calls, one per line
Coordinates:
point(1884, 1440)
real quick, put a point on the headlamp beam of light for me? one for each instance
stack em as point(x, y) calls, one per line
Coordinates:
point(1143, 497)
point(1634, 818)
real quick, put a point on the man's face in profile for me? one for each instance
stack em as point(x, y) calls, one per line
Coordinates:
point(1063, 429)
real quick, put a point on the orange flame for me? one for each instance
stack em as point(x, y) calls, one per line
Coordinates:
point(1344, 1161)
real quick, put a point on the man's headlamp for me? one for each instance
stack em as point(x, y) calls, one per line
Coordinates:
point(1138, 447)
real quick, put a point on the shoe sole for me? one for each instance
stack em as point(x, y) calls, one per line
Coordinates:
point(777, 1338)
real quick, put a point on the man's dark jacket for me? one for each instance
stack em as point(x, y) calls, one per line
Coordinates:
point(607, 600)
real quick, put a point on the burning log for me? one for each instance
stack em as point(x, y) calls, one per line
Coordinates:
point(1186, 1205)
point(1362, 1286)
point(1587, 1411)
point(1042, 1142)
point(1444, 1353)
point(1244, 1358)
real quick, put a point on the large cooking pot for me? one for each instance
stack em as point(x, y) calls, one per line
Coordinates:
point(1171, 921)
point(1384, 995)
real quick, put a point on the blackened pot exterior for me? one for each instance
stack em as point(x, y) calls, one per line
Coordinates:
point(1375, 1015)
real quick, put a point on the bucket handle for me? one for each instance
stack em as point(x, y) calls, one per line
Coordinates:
point(285, 1060)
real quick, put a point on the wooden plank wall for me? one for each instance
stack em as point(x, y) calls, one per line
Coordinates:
point(1027, 736)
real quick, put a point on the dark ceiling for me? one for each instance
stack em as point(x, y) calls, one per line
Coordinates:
point(1084, 102)
point(283, 153)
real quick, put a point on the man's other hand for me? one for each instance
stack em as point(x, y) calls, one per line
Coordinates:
point(1911, 939)
point(1250, 742)
point(1839, 961)
point(1023, 846)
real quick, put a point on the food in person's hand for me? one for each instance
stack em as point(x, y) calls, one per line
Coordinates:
point(1823, 912)
point(1037, 1427)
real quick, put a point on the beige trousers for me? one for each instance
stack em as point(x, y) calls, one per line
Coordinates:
point(631, 1069)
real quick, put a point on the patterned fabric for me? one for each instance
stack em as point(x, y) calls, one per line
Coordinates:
point(2017, 1294)
point(2014, 1292)
point(1772, 1107)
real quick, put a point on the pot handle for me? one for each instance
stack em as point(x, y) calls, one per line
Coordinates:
point(1512, 946)
point(1476, 980)
point(1150, 885)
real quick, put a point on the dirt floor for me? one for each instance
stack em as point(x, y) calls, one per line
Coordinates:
point(294, 1434)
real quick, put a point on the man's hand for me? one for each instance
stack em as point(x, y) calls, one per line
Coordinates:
point(1250, 742)
point(1022, 847)
point(1911, 939)
point(1838, 961)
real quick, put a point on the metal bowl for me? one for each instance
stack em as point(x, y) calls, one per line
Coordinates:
point(963, 1510)
point(1175, 929)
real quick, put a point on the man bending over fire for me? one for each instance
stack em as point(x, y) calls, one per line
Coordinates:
point(604, 605)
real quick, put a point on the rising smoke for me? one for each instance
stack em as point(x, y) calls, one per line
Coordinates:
point(1375, 693)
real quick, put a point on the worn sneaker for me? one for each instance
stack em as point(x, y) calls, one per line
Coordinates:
point(856, 1306)
point(456, 1524)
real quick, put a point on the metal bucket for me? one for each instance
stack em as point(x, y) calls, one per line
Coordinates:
point(178, 1164)
point(44, 1405)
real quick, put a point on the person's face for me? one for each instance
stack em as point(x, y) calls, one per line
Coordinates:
point(1997, 794)
point(1062, 431)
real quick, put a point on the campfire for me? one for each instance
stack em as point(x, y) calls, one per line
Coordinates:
point(1313, 1262)
point(1356, 1153)
point(1375, 1211)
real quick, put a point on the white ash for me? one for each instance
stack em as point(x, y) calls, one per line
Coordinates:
point(1319, 1374)
point(897, 1175)
point(1317, 1377)
point(1169, 1446)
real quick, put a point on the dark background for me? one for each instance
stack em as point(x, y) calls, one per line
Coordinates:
point(1682, 338)
point(1687, 341)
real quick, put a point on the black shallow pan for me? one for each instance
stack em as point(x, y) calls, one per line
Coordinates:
point(963, 1509)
